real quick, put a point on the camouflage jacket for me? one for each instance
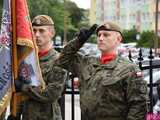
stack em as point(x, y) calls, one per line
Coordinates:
point(112, 91)
point(43, 105)
point(2, 116)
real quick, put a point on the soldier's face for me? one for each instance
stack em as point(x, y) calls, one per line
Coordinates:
point(42, 35)
point(108, 41)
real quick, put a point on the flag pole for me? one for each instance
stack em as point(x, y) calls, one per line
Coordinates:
point(16, 97)
point(14, 58)
point(23, 41)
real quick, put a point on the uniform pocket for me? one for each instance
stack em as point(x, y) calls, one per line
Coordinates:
point(109, 80)
point(140, 86)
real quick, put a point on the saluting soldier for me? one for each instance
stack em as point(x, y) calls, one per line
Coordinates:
point(111, 87)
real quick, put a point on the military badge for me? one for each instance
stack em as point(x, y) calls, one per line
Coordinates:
point(26, 71)
point(38, 21)
point(139, 74)
point(141, 86)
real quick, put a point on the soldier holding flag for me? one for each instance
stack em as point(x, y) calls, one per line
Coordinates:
point(43, 104)
point(19, 56)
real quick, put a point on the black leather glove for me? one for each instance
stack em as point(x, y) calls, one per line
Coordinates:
point(20, 83)
point(85, 33)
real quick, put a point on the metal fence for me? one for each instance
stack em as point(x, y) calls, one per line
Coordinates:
point(71, 92)
point(150, 65)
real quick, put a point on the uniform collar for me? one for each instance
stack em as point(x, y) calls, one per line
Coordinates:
point(106, 58)
point(42, 53)
point(110, 65)
point(52, 52)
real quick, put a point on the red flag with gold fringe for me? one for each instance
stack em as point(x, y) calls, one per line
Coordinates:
point(25, 55)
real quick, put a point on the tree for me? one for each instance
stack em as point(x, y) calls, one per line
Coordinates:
point(53, 8)
point(129, 35)
point(76, 14)
point(57, 9)
point(147, 39)
point(76, 18)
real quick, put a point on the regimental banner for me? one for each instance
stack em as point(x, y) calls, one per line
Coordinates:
point(18, 52)
point(25, 55)
point(5, 56)
point(27, 50)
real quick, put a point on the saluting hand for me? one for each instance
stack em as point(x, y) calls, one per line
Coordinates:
point(84, 33)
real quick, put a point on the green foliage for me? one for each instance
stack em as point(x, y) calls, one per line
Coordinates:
point(129, 35)
point(75, 12)
point(75, 18)
point(61, 12)
point(147, 39)
point(93, 39)
point(53, 8)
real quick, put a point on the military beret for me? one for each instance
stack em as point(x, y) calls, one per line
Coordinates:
point(109, 26)
point(42, 20)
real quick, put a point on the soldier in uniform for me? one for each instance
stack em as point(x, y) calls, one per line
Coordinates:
point(111, 87)
point(43, 104)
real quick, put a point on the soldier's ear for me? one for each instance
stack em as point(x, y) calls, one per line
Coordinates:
point(119, 38)
point(51, 33)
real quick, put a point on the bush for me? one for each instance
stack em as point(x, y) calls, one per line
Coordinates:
point(147, 39)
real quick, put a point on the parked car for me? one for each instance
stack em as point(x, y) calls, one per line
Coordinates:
point(58, 47)
point(90, 49)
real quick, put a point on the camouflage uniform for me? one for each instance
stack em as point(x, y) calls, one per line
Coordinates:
point(43, 105)
point(2, 116)
point(110, 91)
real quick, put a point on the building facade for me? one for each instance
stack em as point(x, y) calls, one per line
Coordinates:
point(92, 12)
point(139, 14)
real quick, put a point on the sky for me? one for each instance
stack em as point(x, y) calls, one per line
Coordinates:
point(82, 3)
